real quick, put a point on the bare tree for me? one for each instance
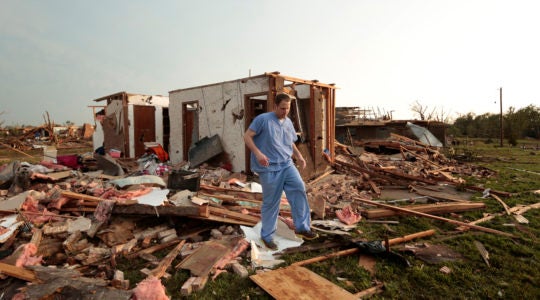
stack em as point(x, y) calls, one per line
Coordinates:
point(434, 114)
point(419, 109)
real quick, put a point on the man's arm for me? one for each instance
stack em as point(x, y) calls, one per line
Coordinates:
point(248, 139)
point(299, 157)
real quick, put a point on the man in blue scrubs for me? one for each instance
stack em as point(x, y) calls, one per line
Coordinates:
point(271, 137)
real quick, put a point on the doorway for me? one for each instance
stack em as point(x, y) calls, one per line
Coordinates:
point(190, 130)
point(255, 105)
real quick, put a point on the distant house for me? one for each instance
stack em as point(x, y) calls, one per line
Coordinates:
point(355, 123)
point(221, 112)
point(127, 121)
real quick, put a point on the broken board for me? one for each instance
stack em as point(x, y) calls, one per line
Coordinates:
point(295, 282)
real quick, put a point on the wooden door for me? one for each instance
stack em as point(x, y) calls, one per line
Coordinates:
point(144, 127)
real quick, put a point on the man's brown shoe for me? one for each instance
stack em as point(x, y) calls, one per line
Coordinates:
point(307, 235)
point(270, 244)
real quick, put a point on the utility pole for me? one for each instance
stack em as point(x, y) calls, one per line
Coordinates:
point(501, 116)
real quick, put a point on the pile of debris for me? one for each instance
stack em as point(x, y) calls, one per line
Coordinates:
point(64, 230)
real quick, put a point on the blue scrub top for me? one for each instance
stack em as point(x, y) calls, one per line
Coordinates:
point(275, 139)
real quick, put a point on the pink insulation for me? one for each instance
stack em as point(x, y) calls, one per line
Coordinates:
point(150, 289)
point(348, 216)
point(27, 257)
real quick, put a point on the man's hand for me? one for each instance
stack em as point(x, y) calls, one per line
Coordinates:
point(263, 160)
point(302, 162)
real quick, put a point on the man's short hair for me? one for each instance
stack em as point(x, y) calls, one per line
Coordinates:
point(283, 97)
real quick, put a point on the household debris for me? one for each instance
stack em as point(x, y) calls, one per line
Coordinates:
point(85, 220)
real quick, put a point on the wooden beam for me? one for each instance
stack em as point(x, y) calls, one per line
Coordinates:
point(439, 208)
point(355, 250)
point(412, 212)
point(225, 213)
point(78, 196)
point(152, 249)
point(18, 272)
point(165, 263)
point(16, 150)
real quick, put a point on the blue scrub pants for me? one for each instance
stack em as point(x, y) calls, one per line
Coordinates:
point(273, 184)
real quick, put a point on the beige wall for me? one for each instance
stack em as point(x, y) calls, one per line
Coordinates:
point(212, 119)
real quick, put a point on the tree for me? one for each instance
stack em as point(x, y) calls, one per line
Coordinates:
point(435, 114)
point(419, 109)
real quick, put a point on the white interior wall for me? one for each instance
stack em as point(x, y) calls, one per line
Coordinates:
point(212, 119)
point(98, 137)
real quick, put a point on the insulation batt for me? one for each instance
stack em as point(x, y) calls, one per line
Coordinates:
point(347, 216)
point(27, 257)
point(150, 289)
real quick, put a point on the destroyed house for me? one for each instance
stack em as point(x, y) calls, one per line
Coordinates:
point(359, 125)
point(127, 121)
point(209, 121)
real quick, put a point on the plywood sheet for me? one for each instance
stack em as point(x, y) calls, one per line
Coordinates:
point(296, 283)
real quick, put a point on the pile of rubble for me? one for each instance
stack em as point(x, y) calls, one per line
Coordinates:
point(63, 230)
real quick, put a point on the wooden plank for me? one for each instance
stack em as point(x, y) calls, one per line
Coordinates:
point(412, 212)
point(437, 195)
point(140, 209)
point(439, 208)
point(160, 270)
point(209, 189)
point(17, 272)
point(391, 242)
point(298, 283)
point(152, 249)
point(203, 259)
point(78, 196)
point(225, 213)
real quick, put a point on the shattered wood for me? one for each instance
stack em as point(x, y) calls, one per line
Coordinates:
point(86, 221)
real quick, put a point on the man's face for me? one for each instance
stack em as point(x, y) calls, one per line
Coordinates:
point(282, 109)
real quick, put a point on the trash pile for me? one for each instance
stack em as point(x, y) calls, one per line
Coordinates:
point(63, 228)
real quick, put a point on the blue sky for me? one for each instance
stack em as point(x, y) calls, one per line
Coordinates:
point(57, 56)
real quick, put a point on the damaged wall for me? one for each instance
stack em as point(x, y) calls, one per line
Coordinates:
point(130, 120)
point(220, 108)
point(226, 109)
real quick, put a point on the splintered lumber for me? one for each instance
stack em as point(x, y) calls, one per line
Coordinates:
point(295, 282)
point(160, 270)
point(36, 237)
point(412, 212)
point(16, 150)
point(320, 177)
point(406, 176)
point(78, 196)
point(152, 249)
point(187, 287)
point(437, 195)
point(506, 208)
point(370, 291)
point(203, 259)
point(391, 242)
point(516, 210)
point(162, 210)
point(17, 272)
point(439, 208)
point(151, 232)
point(491, 191)
point(228, 216)
point(199, 283)
point(209, 189)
